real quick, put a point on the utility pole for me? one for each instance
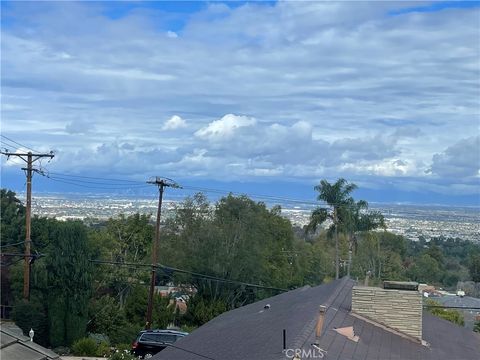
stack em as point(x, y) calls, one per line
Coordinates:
point(162, 183)
point(29, 158)
point(335, 222)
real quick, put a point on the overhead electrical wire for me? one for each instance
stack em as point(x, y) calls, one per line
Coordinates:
point(19, 144)
point(194, 274)
point(78, 180)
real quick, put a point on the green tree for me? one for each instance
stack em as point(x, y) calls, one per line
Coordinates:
point(12, 230)
point(69, 283)
point(237, 239)
point(122, 239)
point(338, 197)
point(359, 220)
point(31, 315)
point(425, 269)
point(12, 221)
point(474, 266)
point(136, 306)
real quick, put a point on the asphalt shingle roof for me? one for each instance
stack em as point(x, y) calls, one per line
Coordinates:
point(253, 332)
point(15, 346)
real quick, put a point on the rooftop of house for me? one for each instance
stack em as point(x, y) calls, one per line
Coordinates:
point(255, 331)
point(15, 346)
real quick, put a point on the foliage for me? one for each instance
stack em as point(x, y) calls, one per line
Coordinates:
point(31, 315)
point(136, 306)
point(476, 326)
point(425, 270)
point(347, 216)
point(122, 239)
point(103, 350)
point(234, 238)
point(85, 347)
point(122, 355)
point(448, 314)
point(106, 317)
point(201, 310)
point(474, 266)
point(13, 217)
point(69, 282)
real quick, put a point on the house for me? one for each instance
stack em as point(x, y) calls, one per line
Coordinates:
point(338, 320)
point(16, 346)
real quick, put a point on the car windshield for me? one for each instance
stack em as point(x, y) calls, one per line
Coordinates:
point(160, 338)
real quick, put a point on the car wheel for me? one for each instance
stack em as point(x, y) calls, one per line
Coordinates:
point(148, 356)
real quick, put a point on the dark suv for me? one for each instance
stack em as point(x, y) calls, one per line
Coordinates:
point(150, 342)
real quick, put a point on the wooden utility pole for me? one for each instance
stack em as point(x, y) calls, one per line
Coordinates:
point(335, 223)
point(29, 158)
point(162, 183)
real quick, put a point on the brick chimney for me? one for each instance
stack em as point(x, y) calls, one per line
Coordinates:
point(397, 306)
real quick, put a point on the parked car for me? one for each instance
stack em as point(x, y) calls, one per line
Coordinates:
point(150, 342)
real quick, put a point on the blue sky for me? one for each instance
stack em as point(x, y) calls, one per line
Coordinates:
point(249, 95)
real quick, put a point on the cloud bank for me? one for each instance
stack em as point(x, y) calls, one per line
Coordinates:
point(373, 92)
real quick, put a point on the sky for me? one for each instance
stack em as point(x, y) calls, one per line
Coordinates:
point(252, 97)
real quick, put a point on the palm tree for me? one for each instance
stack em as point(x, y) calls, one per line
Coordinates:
point(338, 197)
point(359, 220)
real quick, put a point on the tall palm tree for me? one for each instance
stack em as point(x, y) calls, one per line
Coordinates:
point(359, 220)
point(338, 197)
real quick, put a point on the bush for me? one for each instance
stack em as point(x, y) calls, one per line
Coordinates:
point(31, 315)
point(85, 347)
point(453, 316)
point(103, 350)
point(122, 355)
point(62, 350)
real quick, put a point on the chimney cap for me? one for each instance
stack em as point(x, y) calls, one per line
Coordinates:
point(401, 285)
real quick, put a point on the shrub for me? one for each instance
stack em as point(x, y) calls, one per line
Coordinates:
point(31, 315)
point(103, 350)
point(122, 355)
point(453, 316)
point(85, 347)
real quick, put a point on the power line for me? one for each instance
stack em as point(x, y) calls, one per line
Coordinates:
point(81, 183)
point(14, 244)
point(29, 158)
point(161, 183)
point(19, 144)
point(451, 307)
point(94, 178)
point(194, 274)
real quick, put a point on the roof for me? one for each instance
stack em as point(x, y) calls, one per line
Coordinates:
point(253, 332)
point(16, 346)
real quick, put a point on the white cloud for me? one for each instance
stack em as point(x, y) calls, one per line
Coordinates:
point(174, 123)
point(459, 160)
point(225, 128)
point(172, 34)
point(329, 88)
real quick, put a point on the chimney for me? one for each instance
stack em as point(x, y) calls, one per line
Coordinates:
point(397, 306)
